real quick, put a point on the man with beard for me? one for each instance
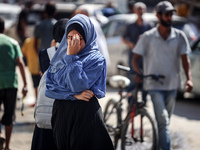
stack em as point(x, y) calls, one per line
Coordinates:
point(162, 49)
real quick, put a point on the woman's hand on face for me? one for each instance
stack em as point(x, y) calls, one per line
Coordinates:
point(74, 45)
point(85, 95)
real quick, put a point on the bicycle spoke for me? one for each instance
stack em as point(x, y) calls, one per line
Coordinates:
point(143, 139)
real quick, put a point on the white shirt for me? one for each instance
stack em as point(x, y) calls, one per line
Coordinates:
point(162, 57)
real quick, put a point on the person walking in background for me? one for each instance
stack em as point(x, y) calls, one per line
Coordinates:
point(10, 56)
point(78, 66)
point(29, 52)
point(43, 29)
point(135, 29)
point(22, 21)
point(43, 138)
point(58, 32)
point(162, 48)
point(101, 39)
point(132, 35)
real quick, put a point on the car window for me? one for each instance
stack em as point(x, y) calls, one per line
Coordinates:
point(114, 28)
point(7, 16)
point(178, 25)
point(105, 28)
point(33, 17)
point(119, 28)
point(197, 46)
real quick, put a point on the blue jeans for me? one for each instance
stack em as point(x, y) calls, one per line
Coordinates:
point(164, 103)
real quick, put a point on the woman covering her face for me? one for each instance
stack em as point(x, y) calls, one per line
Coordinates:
point(76, 78)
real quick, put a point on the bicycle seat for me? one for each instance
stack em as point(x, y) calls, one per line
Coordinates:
point(118, 81)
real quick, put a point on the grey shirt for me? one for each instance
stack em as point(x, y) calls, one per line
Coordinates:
point(133, 31)
point(162, 57)
point(44, 32)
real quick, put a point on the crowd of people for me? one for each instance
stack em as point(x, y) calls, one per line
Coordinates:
point(76, 75)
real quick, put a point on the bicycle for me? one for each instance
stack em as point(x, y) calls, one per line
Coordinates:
point(137, 130)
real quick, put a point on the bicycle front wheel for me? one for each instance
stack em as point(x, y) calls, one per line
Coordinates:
point(140, 135)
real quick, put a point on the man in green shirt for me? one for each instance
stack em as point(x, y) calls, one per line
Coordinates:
point(10, 56)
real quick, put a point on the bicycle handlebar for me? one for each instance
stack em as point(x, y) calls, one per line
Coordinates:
point(155, 77)
point(123, 68)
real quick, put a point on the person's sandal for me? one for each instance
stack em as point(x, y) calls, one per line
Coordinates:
point(2, 140)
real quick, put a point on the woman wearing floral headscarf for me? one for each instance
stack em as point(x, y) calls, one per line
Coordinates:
point(76, 78)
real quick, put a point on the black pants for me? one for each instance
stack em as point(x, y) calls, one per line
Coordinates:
point(8, 98)
point(78, 125)
point(43, 139)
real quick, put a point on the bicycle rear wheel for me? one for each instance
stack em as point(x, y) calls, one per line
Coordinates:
point(141, 139)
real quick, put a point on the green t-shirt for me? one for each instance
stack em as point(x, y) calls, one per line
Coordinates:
point(9, 52)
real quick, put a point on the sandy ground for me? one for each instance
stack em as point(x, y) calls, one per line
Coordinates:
point(184, 127)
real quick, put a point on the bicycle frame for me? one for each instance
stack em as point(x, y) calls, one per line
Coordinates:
point(132, 124)
point(117, 131)
point(131, 110)
point(138, 131)
point(134, 108)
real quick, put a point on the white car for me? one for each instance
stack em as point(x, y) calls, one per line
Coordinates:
point(114, 30)
point(195, 69)
point(10, 15)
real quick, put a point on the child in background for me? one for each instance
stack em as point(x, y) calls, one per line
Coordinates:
point(31, 55)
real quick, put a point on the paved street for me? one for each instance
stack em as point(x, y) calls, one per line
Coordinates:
point(184, 125)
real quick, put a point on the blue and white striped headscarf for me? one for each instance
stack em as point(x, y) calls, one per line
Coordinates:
point(69, 75)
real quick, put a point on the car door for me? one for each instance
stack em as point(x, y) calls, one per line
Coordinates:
point(117, 49)
point(195, 67)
